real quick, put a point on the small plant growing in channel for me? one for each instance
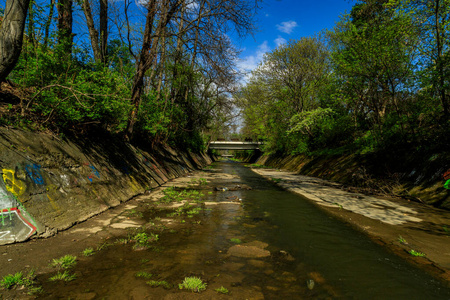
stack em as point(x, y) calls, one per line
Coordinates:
point(143, 274)
point(235, 241)
point(9, 281)
point(193, 284)
point(143, 239)
point(65, 262)
point(88, 251)
point(64, 276)
point(416, 253)
point(222, 290)
point(162, 283)
point(445, 228)
point(401, 240)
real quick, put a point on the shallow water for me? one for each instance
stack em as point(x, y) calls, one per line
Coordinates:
point(305, 243)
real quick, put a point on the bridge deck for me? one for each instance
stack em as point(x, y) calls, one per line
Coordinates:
point(233, 145)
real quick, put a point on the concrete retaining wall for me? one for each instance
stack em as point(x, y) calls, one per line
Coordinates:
point(421, 179)
point(48, 184)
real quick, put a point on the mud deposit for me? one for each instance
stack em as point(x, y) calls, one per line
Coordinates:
point(227, 226)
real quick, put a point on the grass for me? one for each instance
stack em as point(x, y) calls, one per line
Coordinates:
point(88, 251)
point(401, 240)
point(65, 262)
point(173, 195)
point(276, 180)
point(133, 213)
point(9, 281)
point(416, 253)
point(143, 239)
point(143, 274)
point(104, 246)
point(222, 290)
point(235, 241)
point(445, 228)
point(162, 283)
point(15, 280)
point(200, 181)
point(194, 211)
point(193, 284)
point(64, 276)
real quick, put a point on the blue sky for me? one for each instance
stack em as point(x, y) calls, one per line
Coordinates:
point(282, 20)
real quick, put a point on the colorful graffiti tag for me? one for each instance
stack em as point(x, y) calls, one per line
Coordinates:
point(14, 185)
point(13, 225)
point(34, 172)
point(94, 172)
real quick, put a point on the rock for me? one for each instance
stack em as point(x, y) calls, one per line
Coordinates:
point(248, 251)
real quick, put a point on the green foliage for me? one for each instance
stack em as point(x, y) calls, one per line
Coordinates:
point(171, 194)
point(143, 239)
point(88, 251)
point(416, 253)
point(68, 92)
point(15, 280)
point(222, 290)
point(193, 284)
point(143, 274)
point(10, 280)
point(65, 262)
point(157, 283)
point(64, 276)
point(235, 241)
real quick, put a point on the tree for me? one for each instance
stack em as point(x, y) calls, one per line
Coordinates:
point(11, 35)
point(65, 22)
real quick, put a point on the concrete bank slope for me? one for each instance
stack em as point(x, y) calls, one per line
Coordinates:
point(48, 184)
point(396, 223)
point(424, 179)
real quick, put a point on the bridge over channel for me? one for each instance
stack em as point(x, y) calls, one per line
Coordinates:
point(234, 145)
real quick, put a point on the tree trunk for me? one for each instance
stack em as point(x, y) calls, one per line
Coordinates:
point(104, 30)
point(31, 37)
point(65, 21)
point(141, 68)
point(439, 60)
point(49, 22)
point(146, 58)
point(93, 33)
point(11, 35)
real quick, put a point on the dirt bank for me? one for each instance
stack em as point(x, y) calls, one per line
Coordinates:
point(398, 224)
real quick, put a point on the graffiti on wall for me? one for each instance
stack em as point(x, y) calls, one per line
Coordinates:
point(93, 172)
point(13, 184)
point(34, 172)
point(13, 225)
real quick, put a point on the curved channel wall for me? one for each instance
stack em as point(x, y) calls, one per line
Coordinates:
point(48, 184)
point(421, 178)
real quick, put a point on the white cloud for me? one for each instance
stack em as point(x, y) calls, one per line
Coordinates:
point(280, 41)
point(249, 63)
point(287, 27)
point(192, 6)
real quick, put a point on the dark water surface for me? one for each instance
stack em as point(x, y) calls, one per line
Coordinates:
point(306, 244)
point(351, 263)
